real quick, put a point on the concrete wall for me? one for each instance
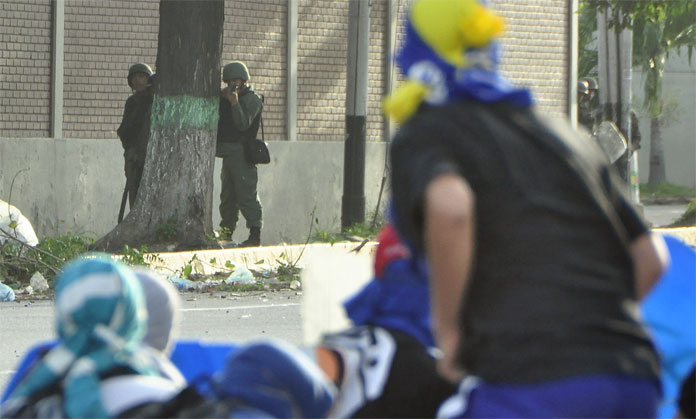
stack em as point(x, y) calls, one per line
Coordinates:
point(59, 117)
point(76, 185)
point(679, 131)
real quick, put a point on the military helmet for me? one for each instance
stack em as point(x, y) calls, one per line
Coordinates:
point(235, 70)
point(583, 87)
point(138, 68)
point(591, 83)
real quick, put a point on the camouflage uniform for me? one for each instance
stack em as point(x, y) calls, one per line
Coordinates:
point(239, 178)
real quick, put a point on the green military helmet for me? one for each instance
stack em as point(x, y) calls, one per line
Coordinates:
point(138, 68)
point(235, 70)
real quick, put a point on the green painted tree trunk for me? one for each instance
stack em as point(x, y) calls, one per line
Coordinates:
point(173, 209)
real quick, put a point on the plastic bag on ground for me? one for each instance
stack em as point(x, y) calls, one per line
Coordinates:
point(38, 283)
point(13, 223)
point(241, 275)
point(182, 284)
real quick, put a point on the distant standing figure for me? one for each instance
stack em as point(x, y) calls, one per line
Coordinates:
point(587, 113)
point(240, 117)
point(134, 130)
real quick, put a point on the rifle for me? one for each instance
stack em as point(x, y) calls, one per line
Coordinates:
point(123, 203)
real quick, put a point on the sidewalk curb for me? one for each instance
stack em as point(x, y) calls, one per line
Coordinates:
point(268, 257)
point(666, 201)
point(265, 257)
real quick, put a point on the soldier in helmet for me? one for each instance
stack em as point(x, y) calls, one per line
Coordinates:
point(587, 112)
point(240, 116)
point(134, 130)
point(589, 116)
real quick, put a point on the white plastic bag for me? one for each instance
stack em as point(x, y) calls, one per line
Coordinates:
point(240, 275)
point(14, 224)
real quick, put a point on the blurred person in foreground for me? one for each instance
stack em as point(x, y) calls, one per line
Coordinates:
point(385, 365)
point(163, 304)
point(115, 331)
point(99, 366)
point(536, 258)
point(266, 378)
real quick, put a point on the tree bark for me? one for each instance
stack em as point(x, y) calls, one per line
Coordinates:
point(173, 210)
point(657, 154)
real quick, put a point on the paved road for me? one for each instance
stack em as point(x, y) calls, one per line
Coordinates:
point(663, 215)
point(210, 318)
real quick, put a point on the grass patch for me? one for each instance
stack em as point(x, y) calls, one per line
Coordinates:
point(364, 230)
point(287, 272)
point(688, 219)
point(666, 190)
point(18, 262)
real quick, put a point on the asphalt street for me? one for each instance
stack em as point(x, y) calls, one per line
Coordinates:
point(208, 317)
point(663, 215)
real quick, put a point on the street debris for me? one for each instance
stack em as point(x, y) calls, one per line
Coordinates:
point(240, 275)
point(38, 283)
point(183, 284)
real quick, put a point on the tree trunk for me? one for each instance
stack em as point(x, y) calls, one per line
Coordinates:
point(657, 153)
point(173, 210)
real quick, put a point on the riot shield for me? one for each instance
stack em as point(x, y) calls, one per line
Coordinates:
point(611, 140)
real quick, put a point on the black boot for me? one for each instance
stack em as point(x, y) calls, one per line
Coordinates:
point(254, 239)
